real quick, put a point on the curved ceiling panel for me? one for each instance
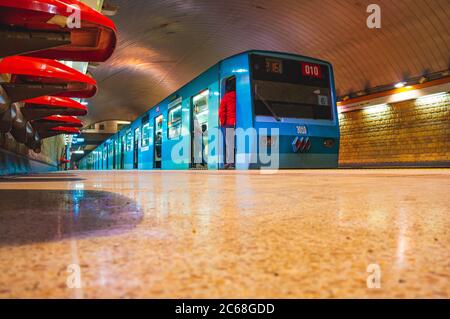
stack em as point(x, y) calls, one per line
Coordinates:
point(164, 44)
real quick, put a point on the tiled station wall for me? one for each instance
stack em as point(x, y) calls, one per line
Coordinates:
point(16, 158)
point(410, 133)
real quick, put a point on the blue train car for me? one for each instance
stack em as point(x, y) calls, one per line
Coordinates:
point(286, 117)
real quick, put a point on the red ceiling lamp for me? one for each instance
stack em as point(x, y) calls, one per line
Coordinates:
point(64, 160)
point(53, 121)
point(58, 131)
point(33, 77)
point(40, 107)
point(55, 125)
point(32, 133)
point(56, 29)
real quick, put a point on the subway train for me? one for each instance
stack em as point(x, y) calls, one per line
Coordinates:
point(286, 117)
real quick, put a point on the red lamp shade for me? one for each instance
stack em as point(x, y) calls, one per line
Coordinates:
point(64, 120)
point(48, 28)
point(66, 130)
point(51, 105)
point(33, 77)
point(58, 131)
point(49, 122)
point(64, 160)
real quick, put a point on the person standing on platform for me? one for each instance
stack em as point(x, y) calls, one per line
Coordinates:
point(227, 116)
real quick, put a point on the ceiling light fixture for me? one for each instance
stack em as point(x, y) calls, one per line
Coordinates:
point(400, 85)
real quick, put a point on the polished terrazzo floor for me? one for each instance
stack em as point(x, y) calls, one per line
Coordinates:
point(227, 234)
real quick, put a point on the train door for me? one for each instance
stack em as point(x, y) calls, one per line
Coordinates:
point(122, 153)
point(118, 153)
point(228, 143)
point(145, 138)
point(157, 144)
point(102, 159)
point(199, 130)
point(105, 155)
point(114, 154)
point(136, 149)
point(110, 153)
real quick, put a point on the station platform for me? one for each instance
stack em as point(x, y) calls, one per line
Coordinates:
point(231, 234)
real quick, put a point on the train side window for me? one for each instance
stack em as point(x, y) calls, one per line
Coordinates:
point(174, 122)
point(145, 135)
point(129, 145)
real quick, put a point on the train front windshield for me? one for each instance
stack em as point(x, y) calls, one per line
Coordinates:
point(286, 88)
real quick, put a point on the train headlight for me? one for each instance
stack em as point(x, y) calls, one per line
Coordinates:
point(328, 142)
point(269, 140)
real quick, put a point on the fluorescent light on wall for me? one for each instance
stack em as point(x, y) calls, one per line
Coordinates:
point(432, 98)
point(403, 96)
point(400, 85)
point(376, 109)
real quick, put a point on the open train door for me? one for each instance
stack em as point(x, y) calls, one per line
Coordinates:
point(136, 138)
point(122, 152)
point(157, 141)
point(199, 130)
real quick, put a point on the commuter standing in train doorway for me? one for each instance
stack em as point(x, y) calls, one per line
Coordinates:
point(227, 116)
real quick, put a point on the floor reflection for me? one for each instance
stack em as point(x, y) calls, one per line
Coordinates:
point(69, 214)
point(40, 178)
point(43, 180)
point(196, 234)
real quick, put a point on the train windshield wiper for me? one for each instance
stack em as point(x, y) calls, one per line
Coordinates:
point(266, 104)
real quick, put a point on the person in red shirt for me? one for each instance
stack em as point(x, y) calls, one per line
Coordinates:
point(227, 117)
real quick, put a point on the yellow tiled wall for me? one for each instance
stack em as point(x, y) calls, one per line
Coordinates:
point(415, 132)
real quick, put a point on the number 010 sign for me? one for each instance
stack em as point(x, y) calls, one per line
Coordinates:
point(312, 70)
